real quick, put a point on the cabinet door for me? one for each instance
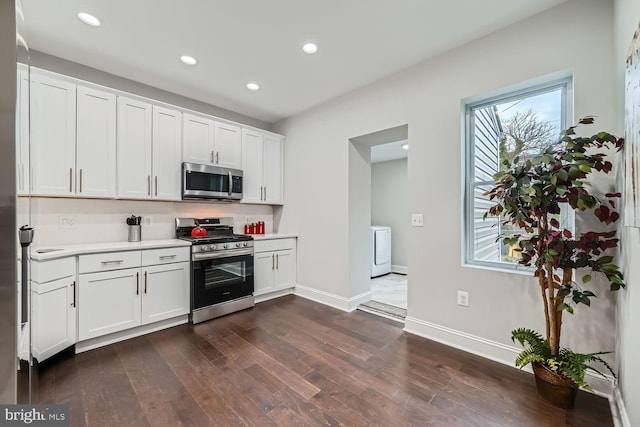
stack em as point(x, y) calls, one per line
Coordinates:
point(22, 131)
point(252, 187)
point(284, 274)
point(167, 153)
point(198, 133)
point(272, 175)
point(53, 135)
point(228, 146)
point(165, 291)
point(108, 302)
point(54, 317)
point(96, 143)
point(263, 268)
point(134, 148)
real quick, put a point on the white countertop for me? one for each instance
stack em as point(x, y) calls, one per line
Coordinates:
point(273, 236)
point(88, 248)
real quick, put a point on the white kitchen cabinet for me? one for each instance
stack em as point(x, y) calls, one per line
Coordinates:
point(22, 131)
point(149, 151)
point(198, 135)
point(262, 167)
point(167, 153)
point(53, 306)
point(165, 291)
point(53, 135)
point(108, 302)
point(95, 173)
point(138, 288)
point(274, 265)
point(134, 148)
point(211, 143)
point(228, 146)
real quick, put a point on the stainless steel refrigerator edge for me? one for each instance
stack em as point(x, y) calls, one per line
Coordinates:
point(8, 288)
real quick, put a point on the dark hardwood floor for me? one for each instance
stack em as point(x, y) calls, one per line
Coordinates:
point(292, 362)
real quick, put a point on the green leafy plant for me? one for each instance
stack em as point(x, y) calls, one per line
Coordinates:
point(529, 193)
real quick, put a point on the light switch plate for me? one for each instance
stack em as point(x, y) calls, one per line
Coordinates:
point(417, 220)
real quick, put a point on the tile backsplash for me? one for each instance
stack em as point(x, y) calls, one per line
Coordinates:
point(71, 221)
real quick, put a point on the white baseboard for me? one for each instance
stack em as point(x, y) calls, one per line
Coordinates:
point(619, 410)
point(400, 269)
point(92, 343)
point(335, 301)
point(488, 349)
point(272, 295)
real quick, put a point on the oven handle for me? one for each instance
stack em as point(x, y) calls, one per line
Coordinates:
point(221, 254)
point(230, 183)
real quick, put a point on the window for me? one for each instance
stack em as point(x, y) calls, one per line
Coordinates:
point(519, 124)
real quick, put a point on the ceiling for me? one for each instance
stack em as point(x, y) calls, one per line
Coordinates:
point(359, 41)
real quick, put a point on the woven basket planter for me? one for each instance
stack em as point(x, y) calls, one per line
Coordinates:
point(554, 387)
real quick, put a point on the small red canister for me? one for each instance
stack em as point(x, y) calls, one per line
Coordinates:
point(252, 228)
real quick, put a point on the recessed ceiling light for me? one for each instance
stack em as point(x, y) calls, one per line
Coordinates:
point(405, 146)
point(189, 60)
point(253, 86)
point(310, 48)
point(89, 19)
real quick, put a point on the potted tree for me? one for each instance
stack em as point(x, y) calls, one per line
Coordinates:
point(529, 193)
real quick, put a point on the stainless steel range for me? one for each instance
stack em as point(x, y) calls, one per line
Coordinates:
point(221, 267)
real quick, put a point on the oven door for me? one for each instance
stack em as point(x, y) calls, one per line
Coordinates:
point(210, 182)
point(221, 279)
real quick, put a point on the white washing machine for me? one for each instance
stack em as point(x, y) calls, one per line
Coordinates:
point(380, 250)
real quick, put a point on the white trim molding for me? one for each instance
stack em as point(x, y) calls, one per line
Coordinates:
point(335, 301)
point(619, 410)
point(400, 269)
point(488, 349)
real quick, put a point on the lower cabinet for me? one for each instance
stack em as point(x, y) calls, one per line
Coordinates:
point(274, 265)
point(53, 299)
point(112, 301)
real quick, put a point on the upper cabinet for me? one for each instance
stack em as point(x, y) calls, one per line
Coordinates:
point(211, 143)
point(73, 139)
point(95, 143)
point(149, 148)
point(262, 166)
point(53, 135)
point(22, 131)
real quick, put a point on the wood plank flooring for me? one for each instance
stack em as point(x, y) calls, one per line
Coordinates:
point(293, 362)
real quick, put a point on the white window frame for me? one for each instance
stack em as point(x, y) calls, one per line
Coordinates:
point(540, 86)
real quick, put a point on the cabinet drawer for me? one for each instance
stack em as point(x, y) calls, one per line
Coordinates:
point(273, 245)
point(165, 255)
point(46, 271)
point(108, 261)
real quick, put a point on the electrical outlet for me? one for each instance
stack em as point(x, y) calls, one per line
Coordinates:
point(417, 220)
point(147, 220)
point(463, 298)
point(67, 221)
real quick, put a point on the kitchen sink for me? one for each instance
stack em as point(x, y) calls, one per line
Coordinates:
point(45, 251)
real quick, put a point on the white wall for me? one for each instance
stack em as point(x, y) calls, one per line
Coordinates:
point(389, 205)
point(104, 220)
point(576, 35)
point(626, 19)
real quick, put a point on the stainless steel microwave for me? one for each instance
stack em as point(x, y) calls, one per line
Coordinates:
point(211, 182)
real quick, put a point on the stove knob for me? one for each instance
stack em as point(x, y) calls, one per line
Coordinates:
point(204, 248)
point(226, 246)
point(212, 247)
point(245, 244)
point(238, 245)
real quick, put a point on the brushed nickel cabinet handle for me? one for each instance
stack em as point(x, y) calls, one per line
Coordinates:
point(156, 185)
point(145, 282)
point(73, 286)
point(70, 180)
point(273, 262)
point(137, 283)
point(217, 157)
point(81, 180)
point(167, 257)
point(265, 193)
point(117, 261)
point(212, 158)
point(277, 262)
point(148, 185)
